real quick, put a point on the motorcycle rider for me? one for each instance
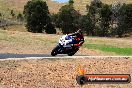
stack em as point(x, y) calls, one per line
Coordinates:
point(78, 38)
point(69, 44)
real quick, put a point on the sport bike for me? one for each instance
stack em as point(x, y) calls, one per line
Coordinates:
point(65, 46)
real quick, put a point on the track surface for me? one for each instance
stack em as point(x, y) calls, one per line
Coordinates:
point(45, 56)
point(7, 56)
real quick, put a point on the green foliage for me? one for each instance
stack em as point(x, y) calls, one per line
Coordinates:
point(68, 17)
point(108, 48)
point(56, 20)
point(37, 15)
point(94, 7)
point(86, 24)
point(97, 22)
point(71, 2)
point(94, 12)
point(125, 20)
point(50, 29)
point(105, 14)
point(104, 19)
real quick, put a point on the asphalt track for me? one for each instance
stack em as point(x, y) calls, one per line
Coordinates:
point(5, 56)
point(46, 56)
point(11, 56)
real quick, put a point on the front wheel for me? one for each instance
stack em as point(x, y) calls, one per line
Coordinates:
point(55, 51)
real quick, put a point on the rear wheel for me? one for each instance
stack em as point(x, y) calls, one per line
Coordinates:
point(73, 52)
point(55, 51)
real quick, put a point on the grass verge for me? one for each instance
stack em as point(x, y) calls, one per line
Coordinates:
point(108, 48)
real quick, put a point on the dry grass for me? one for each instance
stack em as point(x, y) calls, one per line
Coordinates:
point(118, 42)
point(30, 43)
point(20, 28)
point(60, 73)
point(18, 5)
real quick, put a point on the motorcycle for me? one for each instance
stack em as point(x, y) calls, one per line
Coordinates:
point(65, 46)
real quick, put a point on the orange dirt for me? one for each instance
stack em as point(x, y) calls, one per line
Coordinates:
point(60, 73)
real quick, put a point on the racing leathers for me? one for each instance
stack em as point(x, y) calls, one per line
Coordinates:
point(78, 39)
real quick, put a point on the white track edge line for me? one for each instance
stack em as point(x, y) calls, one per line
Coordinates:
point(66, 57)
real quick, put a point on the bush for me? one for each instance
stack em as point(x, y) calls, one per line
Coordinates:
point(50, 29)
point(37, 15)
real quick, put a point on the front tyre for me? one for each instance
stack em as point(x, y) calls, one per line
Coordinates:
point(55, 51)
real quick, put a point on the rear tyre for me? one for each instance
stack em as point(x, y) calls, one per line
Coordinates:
point(55, 51)
point(73, 52)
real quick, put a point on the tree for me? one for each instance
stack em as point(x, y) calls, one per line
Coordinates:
point(71, 2)
point(94, 13)
point(37, 15)
point(125, 20)
point(86, 24)
point(50, 29)
point(114, 18)
point(105, 14)
point(55, 20)
point(68, 17)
